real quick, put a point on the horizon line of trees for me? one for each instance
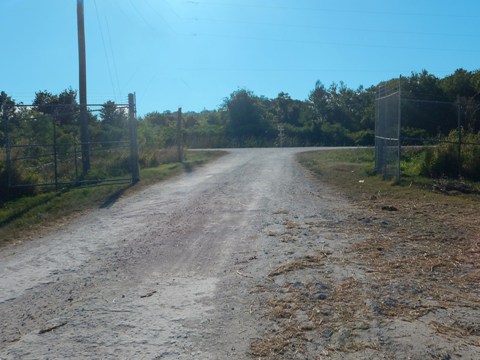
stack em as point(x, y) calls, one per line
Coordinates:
point(334, 115)
point(331, 116)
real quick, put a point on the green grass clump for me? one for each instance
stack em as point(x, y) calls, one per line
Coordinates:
point(331, 163)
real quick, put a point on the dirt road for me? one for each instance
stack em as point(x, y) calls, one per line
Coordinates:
point(199, 267)
point(162, 274)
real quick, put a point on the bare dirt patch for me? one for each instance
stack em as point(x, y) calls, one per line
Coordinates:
point(400, 281)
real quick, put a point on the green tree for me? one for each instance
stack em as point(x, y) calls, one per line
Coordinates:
point(46, 102)
point(424, 107)
point(247, 117)
point(319, 102)
point(68, 108)
point(63, 107)
point(112, 115)
point(286, 110)
point(7, 110)
point(464, 86)
point(113, 124)
point(460, 83)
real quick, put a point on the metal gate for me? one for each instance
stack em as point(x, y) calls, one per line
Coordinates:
point(52, 157)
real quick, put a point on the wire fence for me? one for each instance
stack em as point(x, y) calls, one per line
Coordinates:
point(387, 130)
point(450, 131)
point(43, 149)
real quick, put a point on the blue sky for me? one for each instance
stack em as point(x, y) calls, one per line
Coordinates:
point(196, 53)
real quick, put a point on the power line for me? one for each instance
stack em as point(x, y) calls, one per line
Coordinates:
point(330, 10)
point(296, 41)
point(304, 26)
point(160, 16)
point(140, 14)
point(104, 48)
point(113, 56)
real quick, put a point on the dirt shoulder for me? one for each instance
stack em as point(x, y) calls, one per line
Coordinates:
point(396, 277)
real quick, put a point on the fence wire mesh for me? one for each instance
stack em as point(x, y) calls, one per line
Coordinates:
point(448, 132)
point(387, 130)
point(44, 149)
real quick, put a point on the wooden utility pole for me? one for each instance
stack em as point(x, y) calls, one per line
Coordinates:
point(84, 138)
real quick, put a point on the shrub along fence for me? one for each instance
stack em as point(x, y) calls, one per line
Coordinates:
point(42, 148)
point(454, 155)
point(449, 132)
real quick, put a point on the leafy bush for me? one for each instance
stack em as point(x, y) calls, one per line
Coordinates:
point(413, 136)
point(335, 135)
point(364, 138)
point(442, 161)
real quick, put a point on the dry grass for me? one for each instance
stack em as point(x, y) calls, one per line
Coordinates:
point(421, 260)
point(353, 347)
point(276, 345)
point(301, 310)
point(436, 259)
point(307, 262)
point(289, 224)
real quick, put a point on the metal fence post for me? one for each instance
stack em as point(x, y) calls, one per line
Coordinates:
point(399, 127)
point(75, 162)
point(133, 138)
point(7, 145)
point(377, 125)
point(55, 148)
point(459, 137)
point(180, 136)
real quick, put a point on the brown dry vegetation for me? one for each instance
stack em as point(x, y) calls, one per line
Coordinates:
point(408, 284)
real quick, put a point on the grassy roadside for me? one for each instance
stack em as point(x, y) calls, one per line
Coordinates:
point(351, 171)
point(28, 216)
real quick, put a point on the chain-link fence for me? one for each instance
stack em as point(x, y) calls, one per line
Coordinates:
point(449, 130)
point(387, 130)
point(450, 133)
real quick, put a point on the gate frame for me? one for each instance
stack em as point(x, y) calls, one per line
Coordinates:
point(132, 142)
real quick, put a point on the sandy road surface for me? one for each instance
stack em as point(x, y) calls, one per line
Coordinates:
point(164, 274)
point(248, 257)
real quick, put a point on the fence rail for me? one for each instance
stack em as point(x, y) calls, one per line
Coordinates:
point(56, 163)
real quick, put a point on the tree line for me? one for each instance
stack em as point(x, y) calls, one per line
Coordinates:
point(34, 124)
point(334, 115)
point(330, 116)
